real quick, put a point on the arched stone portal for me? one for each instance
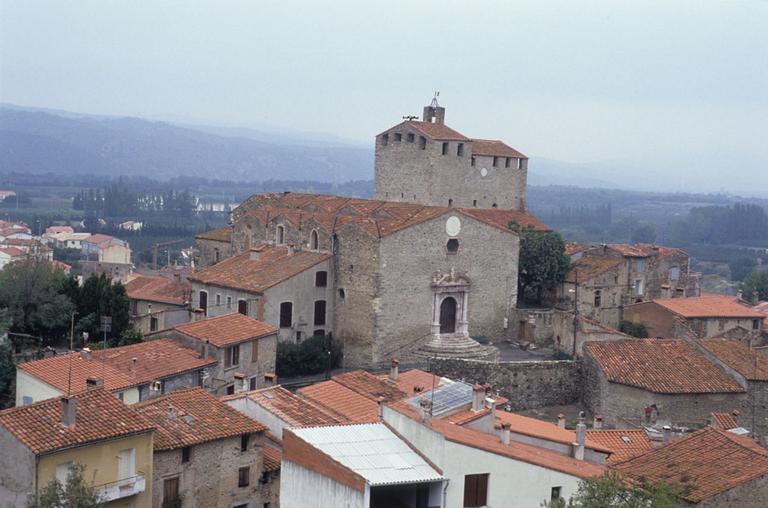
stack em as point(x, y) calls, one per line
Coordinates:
point(448, 315)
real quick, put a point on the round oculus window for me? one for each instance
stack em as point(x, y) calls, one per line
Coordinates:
point(452, 226)
point(483, 172)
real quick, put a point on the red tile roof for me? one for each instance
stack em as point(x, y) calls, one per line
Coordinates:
point(99, 416)
point(545, 430)
point(159, 289)
point(642, 250)
point(437, 131)
point(515, 450)
point(623, 443)
point(660, 366)
point(708, 306)
point(272, 458)
point(273, 266)
point(414, 381)
point(290, 408)
point(226, 330)
point(494, 147)
point(376, 218)
point(156, 359)
point(13, 252)
point(723, 421)
point(572, 248)
point(708, 462)
point(750, 363)
point(193, 416)
point(589, 267)
point(55, 371)
point(103, 240)
point(223, 234)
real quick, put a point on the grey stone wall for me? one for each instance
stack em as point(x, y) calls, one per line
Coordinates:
point(17, 471)
point(405, 172)
point(751, 494)
point(208, 250)
point(210, 478)
point(189, 379)
point(527, 385)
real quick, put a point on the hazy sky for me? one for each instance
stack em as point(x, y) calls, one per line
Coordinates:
point(669, 84)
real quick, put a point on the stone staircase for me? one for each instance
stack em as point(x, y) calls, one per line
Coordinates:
point(457, 347)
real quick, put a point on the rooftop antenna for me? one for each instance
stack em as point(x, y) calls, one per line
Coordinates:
point(434, 103)
point(410, 117)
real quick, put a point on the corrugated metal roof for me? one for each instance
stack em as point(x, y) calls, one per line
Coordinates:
point(445, 398)
point(372, 451)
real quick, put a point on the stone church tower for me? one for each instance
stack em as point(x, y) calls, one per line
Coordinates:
point(429, 163)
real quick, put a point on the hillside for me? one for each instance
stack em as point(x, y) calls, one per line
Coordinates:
point(43, 142)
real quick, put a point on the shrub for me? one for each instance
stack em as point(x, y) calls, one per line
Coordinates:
point(311, 356)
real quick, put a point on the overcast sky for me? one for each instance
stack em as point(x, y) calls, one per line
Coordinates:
point(679, 86)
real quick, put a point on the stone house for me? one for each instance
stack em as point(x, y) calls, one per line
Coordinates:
point(276, 284)
point(214, 246)
point(40, 442)
point(106, 249)
point(565, 327)
point(404, 276)
point(133, 373)
point(206, 453)
point(603, 280)
point(635, 381)
point(427, 162)
point(158, 303)
point(708, 315)
point(243, 349)
point(714, 468)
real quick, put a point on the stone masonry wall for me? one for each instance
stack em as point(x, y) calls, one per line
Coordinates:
point(527, 385)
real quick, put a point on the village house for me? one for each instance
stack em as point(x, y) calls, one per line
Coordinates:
point(214, 246)
point(243, 348)
point(67, 239)
point(42, 441)
point(708, 315)
point(9, 255)
point(207, 454)
point(272, 283)
point(713, 468)
point(106, 249)
point(116, 272)
point(158, 303)
point(133, 373)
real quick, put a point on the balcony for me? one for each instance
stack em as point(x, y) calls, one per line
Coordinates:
point(122, 488)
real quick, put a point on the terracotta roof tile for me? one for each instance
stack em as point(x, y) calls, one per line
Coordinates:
point(223, 234)
point(762, 308)
point(99, 416)
point(273, 266)
point(516, 450)
point(226, 330)
point(642, 250)
point(623, 443)
point(750, 363)
point(495, 147)
point(272, 458)
point(708, 306)
point(437, 131)
point(159, 289)
point(13, 252)
point(572, 248)
point(708, 462)
point(545, 430)
point(723, 421)
point(55, 371)
point(368, 385)
point(660, 366)
point(377, 218)
point(290, 408)
point(156, 359)
point(415, 381)
point(192, 416)
point(589, 267)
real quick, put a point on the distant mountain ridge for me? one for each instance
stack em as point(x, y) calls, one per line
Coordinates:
point(40, 141)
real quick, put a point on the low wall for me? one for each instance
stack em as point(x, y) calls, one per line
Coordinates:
point(527, 385)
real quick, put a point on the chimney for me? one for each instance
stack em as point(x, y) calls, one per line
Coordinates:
point(85, 353)
point(68, 412)
point(240, 382)
point(270, 378)
point(597, 423)
point(291, 249)
point(394, 370)
point(132, 368)
point(581, 435)
point(171, 412)
point(93, 382)
point(561, 420)
point(380, 407)
point(667, 433)
point(736, 413)
point(755, 297)
point(256, 253)
point(740, 295)
point(204, 353)
point(478, 397)
point(505, 432)
point(425, 408)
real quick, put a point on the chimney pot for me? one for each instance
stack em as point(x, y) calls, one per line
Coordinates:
point(270, 378)
point(505, 433)
point(380, 407)
point(425, 409)
point(85, 353)
point(581, 436)
point(478, 397)
point(597, 422)
point(740, 294)
point(394, 370)
point(755, 297)
point(68, 411)
point(667, 433)
point(561, 420)
point(736, 413)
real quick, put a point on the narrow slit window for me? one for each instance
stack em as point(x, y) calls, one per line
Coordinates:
point(445, 148)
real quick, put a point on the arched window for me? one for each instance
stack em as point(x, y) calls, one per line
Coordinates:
point(452, 246)
point(448, 315)
point(280, 235)
point(598, 298)
point(242, 307)
point(314, 241)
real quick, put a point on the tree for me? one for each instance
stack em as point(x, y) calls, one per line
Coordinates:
point(741, 267)
point(7, 365)
point(644, 233)
point(32, 291)
point(98, 297)
point(75, 493)
point(633, 329)
point(756, 281)
point(614, 491)
point(543, 263)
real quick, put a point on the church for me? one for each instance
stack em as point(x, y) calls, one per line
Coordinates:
point(424, 269)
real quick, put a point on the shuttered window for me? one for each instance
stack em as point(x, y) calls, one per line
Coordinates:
point(170, 492)
point(475, 490)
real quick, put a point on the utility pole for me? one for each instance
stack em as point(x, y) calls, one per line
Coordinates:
point(72, 332)
point(575, 309)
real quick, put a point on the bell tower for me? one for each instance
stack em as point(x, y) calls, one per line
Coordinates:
point(434, 113)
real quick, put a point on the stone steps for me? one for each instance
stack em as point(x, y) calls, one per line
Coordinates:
point(456, 347)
